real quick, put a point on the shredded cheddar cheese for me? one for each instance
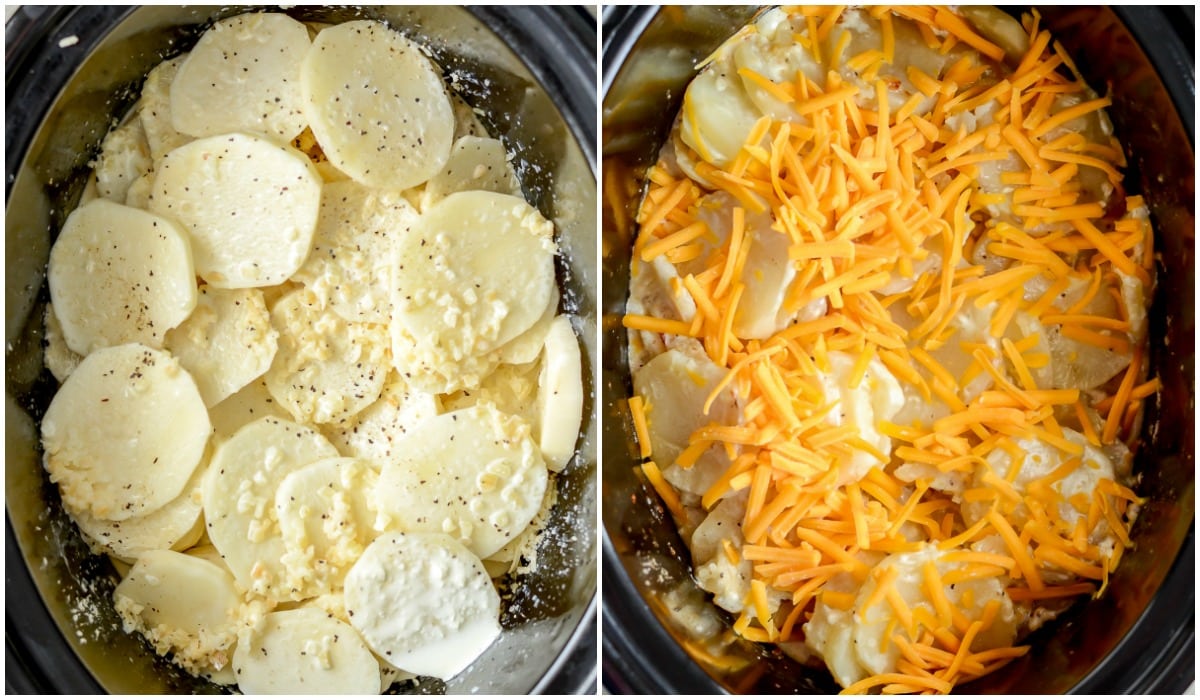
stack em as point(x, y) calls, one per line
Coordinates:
point(902, 276)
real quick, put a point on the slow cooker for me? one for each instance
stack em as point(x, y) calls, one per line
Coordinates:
point(70, 72)
point(660, 630)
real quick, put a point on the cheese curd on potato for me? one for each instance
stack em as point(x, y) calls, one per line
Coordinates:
point(313, 363)
point(887, 334)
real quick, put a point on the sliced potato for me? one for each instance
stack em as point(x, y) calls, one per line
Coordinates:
point(326, 514)
point(424, 602)
point(560, 395)
point(327, 369)
point(243, 75)
point(60, 359)
point(476, 271)
point(226, 343)
point(119, 275)
point(177, 525)
point(124, 158)
point(475, 474)
point(675, 386)
point(124, 433)
point(238, 494)
point(305, 651)
point(377, 105)
point(351, 260)
point(155, 112)
point(475, 163)
point(874, 626)
point(182, 604)
point(250, 206)
point(513, 389)
point(718, 115)
point(247, 405)
point(526, 347)
point(372, 433)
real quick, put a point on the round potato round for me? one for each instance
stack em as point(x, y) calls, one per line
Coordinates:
point(377, 105)
point(250, 206)
point(474, 272)
point(124, 433)
point(243, 75)
point(120, 275)
point(424, 602)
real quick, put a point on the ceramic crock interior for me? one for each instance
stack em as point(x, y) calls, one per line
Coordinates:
point(543, 612)
point(643, 553)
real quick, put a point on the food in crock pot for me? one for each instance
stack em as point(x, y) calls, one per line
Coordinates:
point(315, 386)
point(887, 326)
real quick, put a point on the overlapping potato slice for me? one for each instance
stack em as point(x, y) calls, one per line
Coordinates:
point(249, 205)
point(119, 275)
point(124, 158)
point(475, 474)
point(226, 343)
point(560, 395)
point(475, 163)
point(351, 260)
point(243, 75)
point(245, 406)
point(376, 105)
point(476, 271)
point(184, 605)
point(305, 651)
point(124, 433)
point(424, 602)
point(326, 514)
point(238, 494)
point(155, 112)
point(177, 525)
point(372, 433)
point(327, 369)
point(60, 359)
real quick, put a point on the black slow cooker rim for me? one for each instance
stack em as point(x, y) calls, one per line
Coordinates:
point(1128, 668)
point(565, 66)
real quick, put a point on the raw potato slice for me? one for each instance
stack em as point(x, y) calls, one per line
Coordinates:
point(475, 272)
point(243, 75)
point(560, 395)
point(872, 624)
point(239, 499)
point(876, 399)
point(326, 515)
point(377, 105)
point(466, 119)
point(124, 158)
point(250, 206)
point(372, 433)
point(250, 403)
point(718, 116)
point(305, 651)
point(424, 602)
point(475, 164)
point(475, 474)
point(513, 389)
point(124, 433)
point(183, 605)
point(437, 374)
point(526, 347)
point(675, 385)
point(351, 261)
point(226, 343)
point(60, 359)
point(119, 275)
point(176, 525)
point(156, 109)
point(327, 369)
